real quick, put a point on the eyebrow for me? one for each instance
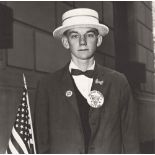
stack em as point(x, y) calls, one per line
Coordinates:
point(93, 30)
point(72, 32)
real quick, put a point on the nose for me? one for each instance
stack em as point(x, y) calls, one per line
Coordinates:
point(82, 40)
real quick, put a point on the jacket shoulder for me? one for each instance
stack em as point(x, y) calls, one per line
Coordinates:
point(53, 77)
point(112, 74)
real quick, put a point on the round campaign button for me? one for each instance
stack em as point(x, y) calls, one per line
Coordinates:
point(69, 93)
point(95, 99)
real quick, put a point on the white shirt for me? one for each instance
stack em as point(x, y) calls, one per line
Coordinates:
point(82, 82)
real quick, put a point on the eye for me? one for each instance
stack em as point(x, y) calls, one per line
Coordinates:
point(74, 36)
point(90, 35)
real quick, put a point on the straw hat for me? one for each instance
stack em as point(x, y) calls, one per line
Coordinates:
point(81, 17)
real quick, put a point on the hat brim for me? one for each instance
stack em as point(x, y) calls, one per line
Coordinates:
point(102, 29)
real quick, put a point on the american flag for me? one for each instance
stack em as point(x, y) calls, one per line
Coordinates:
point(22, 138)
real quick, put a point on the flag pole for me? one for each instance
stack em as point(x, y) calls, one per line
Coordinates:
point(27, 97)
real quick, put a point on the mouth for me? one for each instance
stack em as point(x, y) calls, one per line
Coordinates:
point(83, 50)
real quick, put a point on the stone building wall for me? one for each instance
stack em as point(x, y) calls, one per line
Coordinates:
point(145, 54)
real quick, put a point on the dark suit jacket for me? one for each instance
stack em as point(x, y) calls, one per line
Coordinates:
point(57, 121)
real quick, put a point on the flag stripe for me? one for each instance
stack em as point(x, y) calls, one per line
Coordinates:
point(16, 145)
point(20, 141)
point(12, 148)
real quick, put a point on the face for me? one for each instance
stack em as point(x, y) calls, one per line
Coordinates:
point(82, 42)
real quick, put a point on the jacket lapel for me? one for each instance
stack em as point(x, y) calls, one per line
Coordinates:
point(69, 94)
point(68, 89)
point(98, 81)
point(99, 84)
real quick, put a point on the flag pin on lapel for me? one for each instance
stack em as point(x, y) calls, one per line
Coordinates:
point(97, 81)
point(69, 93)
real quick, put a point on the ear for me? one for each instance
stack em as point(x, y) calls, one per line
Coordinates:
point(99, 41)
point(65, 43)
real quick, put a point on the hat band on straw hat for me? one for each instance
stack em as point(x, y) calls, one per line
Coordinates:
point(74, 20)
point(78, 15)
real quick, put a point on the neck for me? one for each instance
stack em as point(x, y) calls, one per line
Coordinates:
point(83, 64)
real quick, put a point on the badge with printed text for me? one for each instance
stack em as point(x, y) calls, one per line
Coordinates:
point(95, 99)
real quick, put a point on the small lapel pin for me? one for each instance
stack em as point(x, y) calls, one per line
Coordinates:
point(69, 93)
point(97, 81)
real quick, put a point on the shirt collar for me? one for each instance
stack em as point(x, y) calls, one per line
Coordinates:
point(72, 65)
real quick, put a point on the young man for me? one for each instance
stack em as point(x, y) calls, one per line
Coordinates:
point(84, 107)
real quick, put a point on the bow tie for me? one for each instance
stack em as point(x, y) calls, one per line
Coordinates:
point(88, 73)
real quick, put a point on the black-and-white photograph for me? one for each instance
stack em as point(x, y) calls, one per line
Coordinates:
point(77, 77)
